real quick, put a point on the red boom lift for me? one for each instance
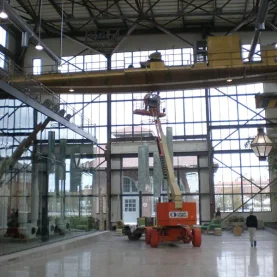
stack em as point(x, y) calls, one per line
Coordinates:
point(174, 219)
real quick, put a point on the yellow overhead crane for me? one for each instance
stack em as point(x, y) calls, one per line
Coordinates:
point(224, 62)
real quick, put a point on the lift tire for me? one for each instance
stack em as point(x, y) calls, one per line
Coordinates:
point(148, 235)
point(196, 237)
point(154, 238)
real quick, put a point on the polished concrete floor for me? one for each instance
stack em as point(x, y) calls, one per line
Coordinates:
point(10, 245)
point(117, 257)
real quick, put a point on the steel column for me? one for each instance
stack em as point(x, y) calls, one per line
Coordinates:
point(108, 150)
point(210, 155)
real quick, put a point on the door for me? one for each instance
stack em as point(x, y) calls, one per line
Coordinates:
point(130, 209)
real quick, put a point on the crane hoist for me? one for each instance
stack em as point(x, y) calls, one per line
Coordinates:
point(175, 219)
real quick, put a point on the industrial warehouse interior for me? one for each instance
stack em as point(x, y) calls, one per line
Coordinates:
point(138, 138)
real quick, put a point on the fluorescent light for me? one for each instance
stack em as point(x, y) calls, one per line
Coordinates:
point(71, 90)
point(39, 47)
point(229, 80)
point(3, 15)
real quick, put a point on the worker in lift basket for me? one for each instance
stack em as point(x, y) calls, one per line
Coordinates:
point(154, 101)
point(252, 225)
point(147, 99)
point(158, 101)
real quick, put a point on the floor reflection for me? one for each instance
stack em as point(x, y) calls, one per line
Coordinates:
point(253, 268)
point(217, 257)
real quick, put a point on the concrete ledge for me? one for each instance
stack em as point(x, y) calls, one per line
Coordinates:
point(52, 248)
point(270, 230)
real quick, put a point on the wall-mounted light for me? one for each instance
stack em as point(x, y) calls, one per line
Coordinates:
point(3, 15)
point(261, 145)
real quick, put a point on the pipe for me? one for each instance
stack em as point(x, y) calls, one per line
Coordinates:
point(17, 20)
point(254, 43)
point(259, 26)
point(262, 13)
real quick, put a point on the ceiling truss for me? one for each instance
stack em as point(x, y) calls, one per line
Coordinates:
point(123, 18)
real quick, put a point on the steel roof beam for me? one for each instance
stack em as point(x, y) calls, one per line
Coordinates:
point(190, 28)
point(183, 8)
point(133, 7)
point(210, 13)
point(132, 28)
point(151, 10)
point(245, 8)
point(275, 14)
point(240, 25)
point(170, 33)
point(90, 13)
point(271, 26)
point(139, 6)
point(32, 14)
point(69, 37)
point(121, 13)
point(183, 18)
point(129, 17)
point(225, 4)
point(215, 10)
point(61, 13)
point(152, 6)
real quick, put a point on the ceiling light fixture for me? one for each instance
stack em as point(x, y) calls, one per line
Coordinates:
point(71, 90)
point(3, 15)
point(39, 46)
point(229, 80)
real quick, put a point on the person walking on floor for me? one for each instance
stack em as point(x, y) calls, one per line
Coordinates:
point(252, 225)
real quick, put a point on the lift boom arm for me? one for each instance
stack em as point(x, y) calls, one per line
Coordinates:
point(168, 166)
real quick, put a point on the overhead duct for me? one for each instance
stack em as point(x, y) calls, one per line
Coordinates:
point(24, 39)
point(19, 22)
point(262, 13)
point(259, 26)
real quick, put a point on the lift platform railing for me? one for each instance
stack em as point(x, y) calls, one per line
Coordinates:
point(139, 104)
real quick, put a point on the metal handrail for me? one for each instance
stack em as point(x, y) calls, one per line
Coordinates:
point(11, 70)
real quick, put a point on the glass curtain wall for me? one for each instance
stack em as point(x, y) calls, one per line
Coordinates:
point(49, 189)
point(238, 172)
point(236, 166)
point(72, 200)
